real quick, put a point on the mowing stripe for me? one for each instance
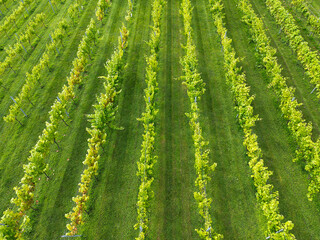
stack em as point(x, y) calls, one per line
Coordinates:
point(308, 58)
point(17, 221)
point(299, 128)
point(313, 21)
point(267, 199)
point(102, 118)
point(195, 89)
point(148, 159)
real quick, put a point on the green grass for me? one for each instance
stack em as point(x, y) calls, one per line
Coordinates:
point(43, 98)
point(75, 143)
point(116, 194)
point(274, 139)
point(292, 70)
point(32, 58)
point(315, 7)
point(234, 205)
point(11, 5)
point(23, 19)
point(174, 213)
point(306, 30)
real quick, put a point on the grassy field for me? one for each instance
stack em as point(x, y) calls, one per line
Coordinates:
point(315, 6)
point(174, 213)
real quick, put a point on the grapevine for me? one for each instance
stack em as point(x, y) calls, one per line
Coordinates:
point(195, 89)
point(148, 159)
point(33, 78)
point(308, 58)
point(102, 118)
point(299, 128)
point(268, 199)
point(313, 21)
point(16, 220)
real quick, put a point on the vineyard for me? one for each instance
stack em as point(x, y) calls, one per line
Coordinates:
point(160, 119)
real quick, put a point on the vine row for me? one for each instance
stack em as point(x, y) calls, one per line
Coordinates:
point(148, 159)
point(102, 8)
point(267, 198)
point(15, 219)
point(195, 89)
point(102, 118)
point(18, 48)
point(6, 26)
point(33, 78)
point(313, 21)
point(308, 58)
point(302, 131)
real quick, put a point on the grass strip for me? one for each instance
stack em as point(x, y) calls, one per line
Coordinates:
point(268, 199)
